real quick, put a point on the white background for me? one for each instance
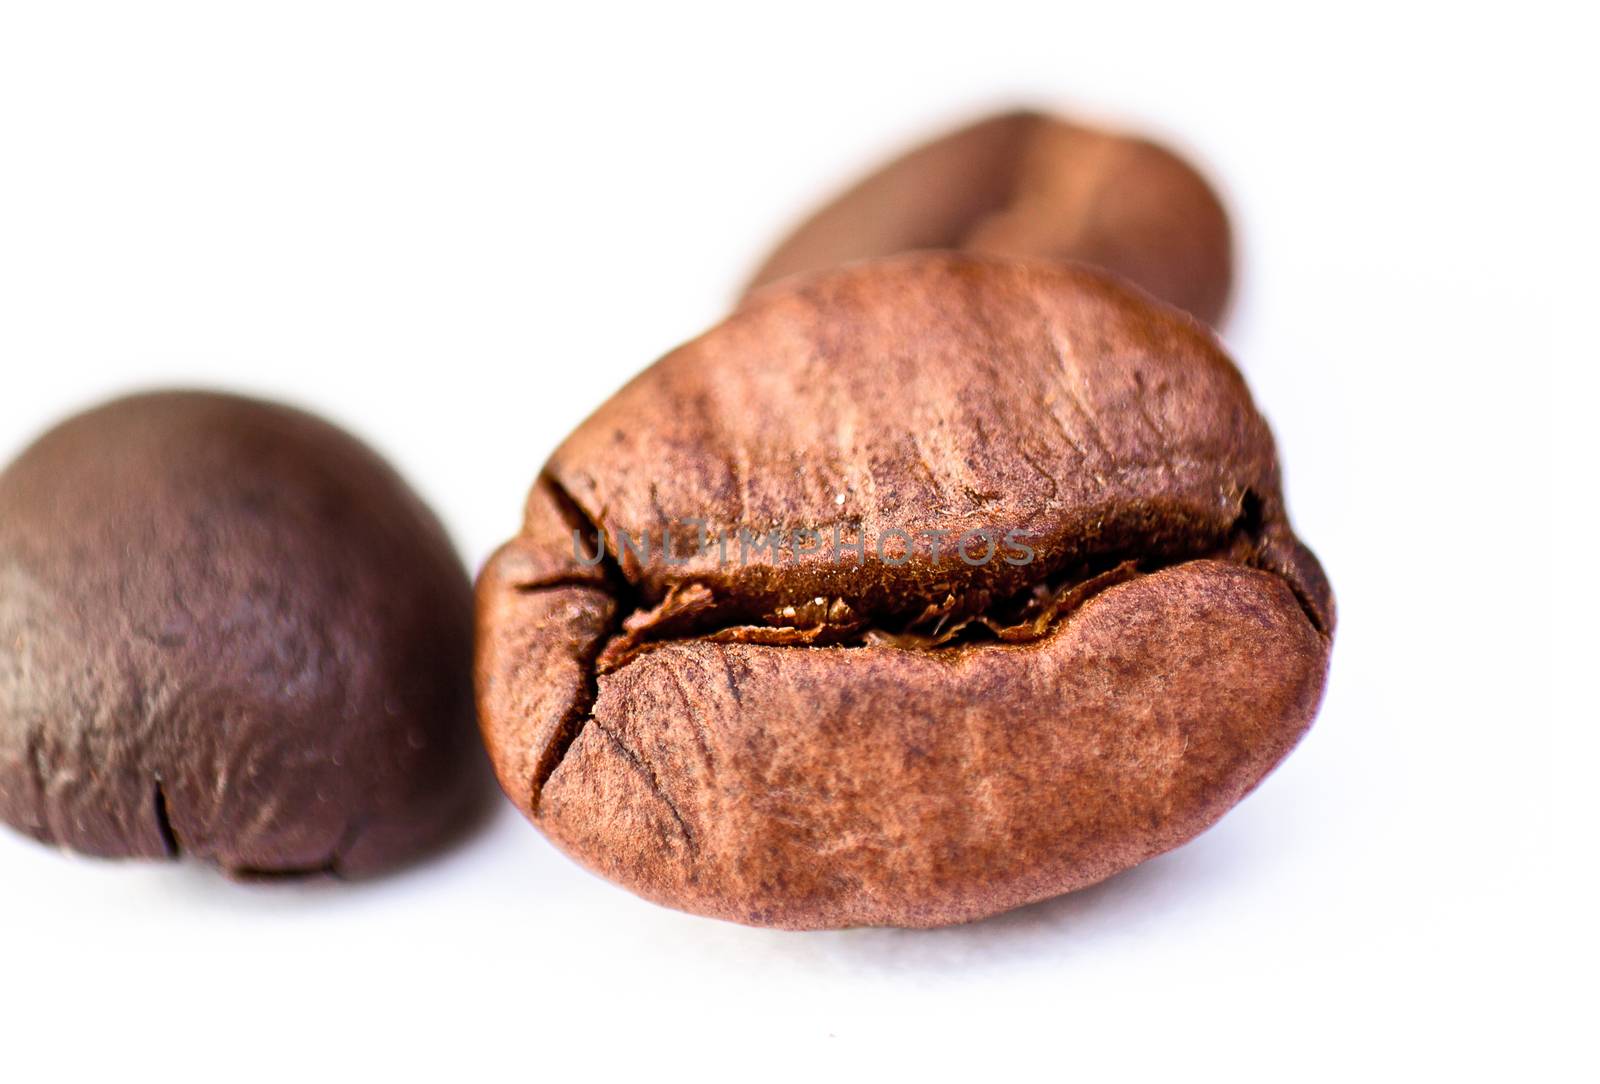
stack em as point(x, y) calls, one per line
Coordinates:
point(456, 228)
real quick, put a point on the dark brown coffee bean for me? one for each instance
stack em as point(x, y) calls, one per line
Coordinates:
point(228, 630)
point(810, 739)
point(1030, 185)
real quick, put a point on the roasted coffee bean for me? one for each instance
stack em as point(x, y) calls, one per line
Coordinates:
point(864, 732)
point(229, 631)
point(1030, 185)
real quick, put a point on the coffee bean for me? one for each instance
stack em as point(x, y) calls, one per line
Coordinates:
point(229, 631)
point(1030, 185)
point(818, 737)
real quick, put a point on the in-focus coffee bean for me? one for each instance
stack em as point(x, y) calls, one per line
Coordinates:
point(915, 591)
point(229, 631)
point(1031, 185)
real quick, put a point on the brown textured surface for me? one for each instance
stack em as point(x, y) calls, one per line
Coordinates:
point(229, 630)
point(804, 743)
point(1034, 186)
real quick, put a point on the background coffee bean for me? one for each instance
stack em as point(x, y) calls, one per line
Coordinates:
point(803, 741)
point(229, 631)
point(1031, 185)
